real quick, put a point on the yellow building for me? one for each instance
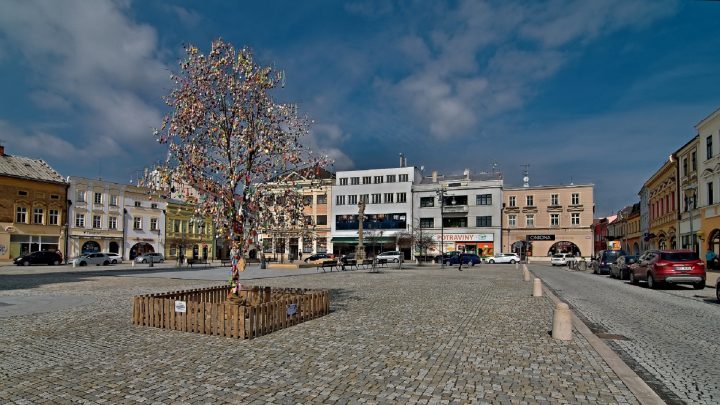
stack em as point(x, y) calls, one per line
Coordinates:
point(662, 206)
point(186, 234)
point(33, 207)
point(708, 182)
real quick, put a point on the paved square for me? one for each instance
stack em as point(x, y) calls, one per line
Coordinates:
point(401, 336)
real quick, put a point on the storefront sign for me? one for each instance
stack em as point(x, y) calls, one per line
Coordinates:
point(540, 237)
point(464, 237)
point(613, 245)
point(180, 306)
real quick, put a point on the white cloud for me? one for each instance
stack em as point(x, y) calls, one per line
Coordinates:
point(327, 139)
point(89, 54)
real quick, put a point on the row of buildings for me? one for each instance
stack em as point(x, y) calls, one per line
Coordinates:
point(472, 212)
point(679, 205)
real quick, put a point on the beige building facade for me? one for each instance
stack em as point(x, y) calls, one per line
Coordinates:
point(542, 220)
point(96, 216)
point(662, 206)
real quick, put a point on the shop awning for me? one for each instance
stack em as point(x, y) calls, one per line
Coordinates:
point(366, 240)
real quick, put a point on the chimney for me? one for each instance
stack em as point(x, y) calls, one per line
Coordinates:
point(402, 160)
point(2, 150)
point(466, 172)
point(434, 176)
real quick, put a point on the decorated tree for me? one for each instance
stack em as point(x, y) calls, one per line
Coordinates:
point(228, 139)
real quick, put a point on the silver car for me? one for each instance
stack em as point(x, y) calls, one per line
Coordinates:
point(150, 257)
point(511, 258)
point(92, 258)
point(115, 258)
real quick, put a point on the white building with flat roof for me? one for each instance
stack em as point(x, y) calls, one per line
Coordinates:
point(387, 194)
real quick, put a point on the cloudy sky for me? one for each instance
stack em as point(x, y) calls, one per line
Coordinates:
point(583, 91)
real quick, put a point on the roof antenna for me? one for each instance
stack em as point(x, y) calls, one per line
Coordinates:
point(526, 175)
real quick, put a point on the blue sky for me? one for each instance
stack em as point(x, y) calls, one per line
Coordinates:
point(587, 92)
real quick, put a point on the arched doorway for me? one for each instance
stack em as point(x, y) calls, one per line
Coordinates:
point(564, 247)
point(90, 247)
point(714, 241)
point(139, 249)
point(114, 247)
point(662, 242)
point(522, 248)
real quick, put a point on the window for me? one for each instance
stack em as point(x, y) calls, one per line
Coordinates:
point(38, 216)
point(80, 196)
point(684, 167)
point(708, 147)
point(280, 245)
point(512, 220)
point(401, 197)
point(575, 218)
point(365, 198)
point(575, 199)
point(427, 201)
point(403, 177)
point(427, 222)
point(388, 198)
point(483, 199)
point(322, 199)
point(693, 158)
point(307, 200)
point(22, 193)
point(554, 200)
point(710, 193)
point(113, 200)
point(455, 222)
point(96, 221)
point(530, 220)
point(340, 200)
point(137, 223)
point(154, 225)
point(352, 199)
point(512, 201)
point(391, 178)
point(378, 179)
point(322, 219)
point(343, 181)
point(153, 206)
point(483, 221)
point(80, 220)
point(554, 219)
point(112, 222)
point(529, 201)
point(54, 217)
point(137, 203)
point(354, 181)
point(367, 179)
point(98, 198)
point(176, 226)
point(376, 198)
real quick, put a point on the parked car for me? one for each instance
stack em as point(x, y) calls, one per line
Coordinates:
point(511, 258)
point(350, 256)
point(446, 255)
point(658, 267)
point(560, 259)
point(115, 258)
point(605, 259)
point(717, 289)
point(41, 257)
point(621, 268)
point(92, 258)
point(318, 257)
point(148, 257)
point(467, 258)
point(391, 256)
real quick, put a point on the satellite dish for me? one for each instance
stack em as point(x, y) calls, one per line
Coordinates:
point(526, 179)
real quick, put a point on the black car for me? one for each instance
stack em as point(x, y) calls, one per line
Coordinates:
point(318, 256)
point(621, 268)
point(42, 257)
point(605, 259)
point(350, 256)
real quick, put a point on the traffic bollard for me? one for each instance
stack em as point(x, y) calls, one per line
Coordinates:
point(562, 322)
point(537, 287)
point(526, 274)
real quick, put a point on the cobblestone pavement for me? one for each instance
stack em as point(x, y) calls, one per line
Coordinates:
point(672, 333)
point(401, 336)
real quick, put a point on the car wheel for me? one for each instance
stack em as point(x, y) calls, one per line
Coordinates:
point(512, 261)
point(56, 262)
point(395, 260)
point(651, 282)
point(83, 263)
point(26, 263)
point(105, 263)
point(717, 292)
point(161, 260)
point(472, 263)
point(493, 261)
point(699, 286)
point(114, 261)
point(633, 279)
point(144, 261)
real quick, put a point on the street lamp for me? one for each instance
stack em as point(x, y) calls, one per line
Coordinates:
point(441, 196)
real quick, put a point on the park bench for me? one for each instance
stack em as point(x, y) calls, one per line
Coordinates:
point(192, 262)
point(327, 264)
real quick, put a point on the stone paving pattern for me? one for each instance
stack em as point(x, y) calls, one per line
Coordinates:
point(426, 336)
point(673, 332)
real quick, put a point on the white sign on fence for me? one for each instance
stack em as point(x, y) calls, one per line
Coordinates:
point(180, 306)
point(291, 309)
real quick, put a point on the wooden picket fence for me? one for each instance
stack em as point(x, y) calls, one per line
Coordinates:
point(208, 311)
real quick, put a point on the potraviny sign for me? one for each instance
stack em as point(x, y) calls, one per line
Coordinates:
point(464, 237)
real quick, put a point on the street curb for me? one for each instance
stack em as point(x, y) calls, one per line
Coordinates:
point(643, 393)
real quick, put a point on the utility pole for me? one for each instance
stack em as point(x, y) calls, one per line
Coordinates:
point(441, 195)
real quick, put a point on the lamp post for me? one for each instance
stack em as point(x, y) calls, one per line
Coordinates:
point(441, 196)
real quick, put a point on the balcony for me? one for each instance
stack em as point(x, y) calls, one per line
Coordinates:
point(455, 209)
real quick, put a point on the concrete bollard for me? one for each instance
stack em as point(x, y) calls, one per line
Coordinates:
point(537, 287)
point(562, 322)
point(517, 266)
point(526, 274)
point(73, 263)
point(132, 263)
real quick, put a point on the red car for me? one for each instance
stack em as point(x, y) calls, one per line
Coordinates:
point(658, 267)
